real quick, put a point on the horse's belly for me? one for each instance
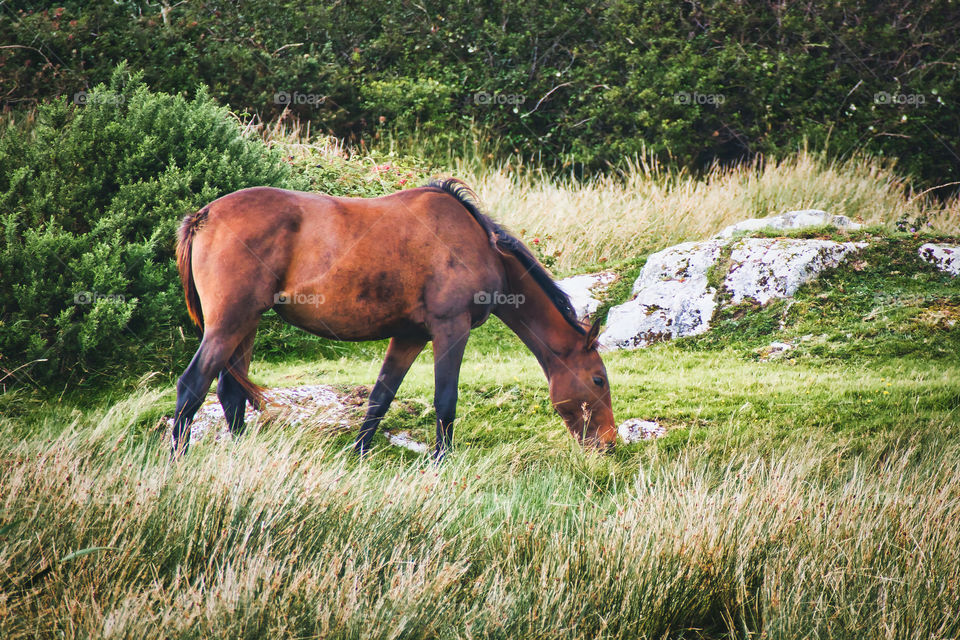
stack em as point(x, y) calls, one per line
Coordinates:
point(351, 313)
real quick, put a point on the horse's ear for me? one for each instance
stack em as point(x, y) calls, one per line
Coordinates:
point(593, 333)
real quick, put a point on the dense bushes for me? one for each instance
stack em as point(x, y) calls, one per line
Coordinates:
point(90, 197)
point(576, 80)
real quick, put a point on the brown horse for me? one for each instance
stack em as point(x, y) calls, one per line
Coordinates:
point(418, 265)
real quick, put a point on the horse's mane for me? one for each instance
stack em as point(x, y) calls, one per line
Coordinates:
point(504, 242)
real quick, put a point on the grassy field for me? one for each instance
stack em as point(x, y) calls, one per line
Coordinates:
point(799, 499)
point(812, 496)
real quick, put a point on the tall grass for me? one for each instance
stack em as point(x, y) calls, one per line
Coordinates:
point(645, 205)
point(282, 535)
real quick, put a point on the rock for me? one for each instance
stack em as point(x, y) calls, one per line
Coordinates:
point(635, 430)
point(944, 257)
point(310, 404)
point(774, 350)
point(407, 441)
point(791, 220)
point(317, 404)
point(765, 268)
point(671, 298)
point(585, 291)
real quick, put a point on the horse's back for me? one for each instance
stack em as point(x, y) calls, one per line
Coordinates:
point(351, 268)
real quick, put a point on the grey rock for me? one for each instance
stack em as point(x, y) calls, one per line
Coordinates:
point(945, 257)
point(762, 269)
point(586, 291)
point(791, 220)
point(671, 298)
point(635, 430)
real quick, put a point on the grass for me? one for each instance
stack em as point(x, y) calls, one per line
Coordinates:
point(647, 207)
point(812, 496)
point(783, 501)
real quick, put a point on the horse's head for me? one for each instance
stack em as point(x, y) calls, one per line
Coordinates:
point(580, 393)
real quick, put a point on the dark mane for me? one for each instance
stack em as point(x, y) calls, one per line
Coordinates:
point(503, 241)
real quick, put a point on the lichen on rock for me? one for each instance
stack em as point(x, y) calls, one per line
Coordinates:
point(762, 269)
point(944, 257)
point(671, 298)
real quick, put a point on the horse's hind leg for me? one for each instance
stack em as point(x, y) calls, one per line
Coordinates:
point(215, 350)
point(233, 397)
point(400, 355)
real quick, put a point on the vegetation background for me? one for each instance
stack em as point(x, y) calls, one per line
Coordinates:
point(578, 84)
point(815, 495)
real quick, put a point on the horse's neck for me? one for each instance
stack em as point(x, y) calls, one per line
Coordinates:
point(530, 314)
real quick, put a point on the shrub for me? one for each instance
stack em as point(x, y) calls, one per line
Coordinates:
point(696, 82)
point(90, 198)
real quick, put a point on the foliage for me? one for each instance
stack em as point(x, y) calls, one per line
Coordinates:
point(575, 82)
point(91, 197)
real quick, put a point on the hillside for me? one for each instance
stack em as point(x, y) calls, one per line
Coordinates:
point(839, 459)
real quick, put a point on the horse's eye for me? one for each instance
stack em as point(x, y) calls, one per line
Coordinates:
point(597, 380)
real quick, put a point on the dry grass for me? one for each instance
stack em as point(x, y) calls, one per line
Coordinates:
point(643, 206)
point(648, 207)
point(283, 536)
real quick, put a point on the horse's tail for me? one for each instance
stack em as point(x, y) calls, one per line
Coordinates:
point(188, 230)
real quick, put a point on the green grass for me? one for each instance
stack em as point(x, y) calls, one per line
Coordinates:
point(816, 495)
point(812, 496)
point(798, 499)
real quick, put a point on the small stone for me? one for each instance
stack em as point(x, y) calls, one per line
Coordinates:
point(774, 350)
point(407, 441)
point(636, 429)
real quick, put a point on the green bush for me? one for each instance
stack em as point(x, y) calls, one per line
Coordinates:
point(698, 82)
point(409, 104)
point(90, 198)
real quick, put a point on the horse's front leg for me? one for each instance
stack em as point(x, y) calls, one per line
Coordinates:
point(449, 342)
point(400, 355)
